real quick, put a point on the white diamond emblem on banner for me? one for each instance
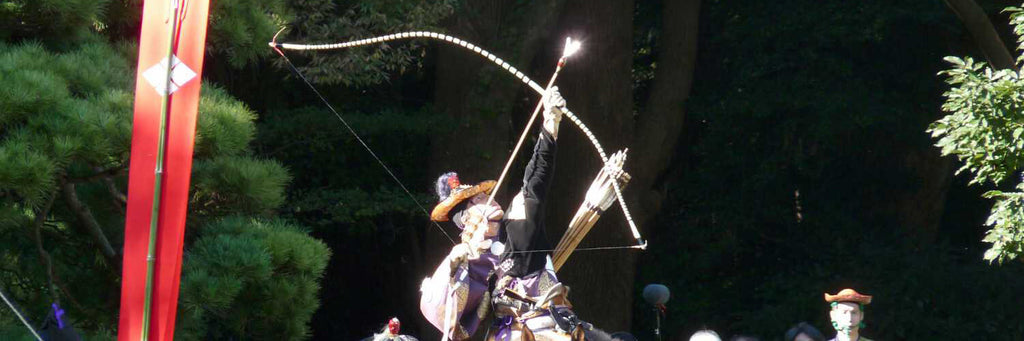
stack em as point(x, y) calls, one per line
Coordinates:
point(180, 75)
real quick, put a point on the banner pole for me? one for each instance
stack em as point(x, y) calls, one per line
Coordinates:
point(158, 173)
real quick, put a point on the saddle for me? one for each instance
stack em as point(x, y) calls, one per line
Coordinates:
point(547, 317)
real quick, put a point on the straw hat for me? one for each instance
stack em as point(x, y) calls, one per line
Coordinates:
point(848, 295)
point(452, 193)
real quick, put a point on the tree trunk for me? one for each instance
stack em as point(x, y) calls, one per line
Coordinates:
point(479, 96)
point(661, 123)
point(89, 224)
point(603, 77)
point(597, 84)
point(981, 29)
point(920, 209)
point(44, 256)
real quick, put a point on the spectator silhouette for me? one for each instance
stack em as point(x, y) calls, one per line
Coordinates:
point(803, 331)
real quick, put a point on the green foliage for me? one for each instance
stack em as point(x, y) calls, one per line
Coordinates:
point(55, 21)
point(355, 208)
point(225, 125)
point(341, 191)
point(1006, 220)
point(343, 185)
point(56, 116)
point(1017, 22)
point(983, 130)
point(17, 332)
point(251, 279)
point(331, 21)
point(27, 174)
point(240, 29)
point(805, 129)
point(65, 117)
point(985, 122)
point(233, 183)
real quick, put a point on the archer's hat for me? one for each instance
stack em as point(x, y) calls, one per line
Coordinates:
point(452, 193)
point(848, 295)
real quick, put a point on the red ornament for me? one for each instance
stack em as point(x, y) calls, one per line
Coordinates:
point(394, 326)
point(453, 181)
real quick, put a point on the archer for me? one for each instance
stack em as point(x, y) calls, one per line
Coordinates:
point(504, 261)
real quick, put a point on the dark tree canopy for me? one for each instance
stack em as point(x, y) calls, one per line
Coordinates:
point(779, 150)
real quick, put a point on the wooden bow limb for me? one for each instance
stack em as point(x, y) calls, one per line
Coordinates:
point(600, 196)
point(571, 47)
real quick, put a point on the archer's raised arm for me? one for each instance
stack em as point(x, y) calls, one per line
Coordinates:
point(554, 107)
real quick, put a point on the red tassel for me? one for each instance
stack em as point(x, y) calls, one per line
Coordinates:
point(394, 326)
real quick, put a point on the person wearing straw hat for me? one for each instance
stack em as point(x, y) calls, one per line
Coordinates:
point(847, 314)
point(504, 261)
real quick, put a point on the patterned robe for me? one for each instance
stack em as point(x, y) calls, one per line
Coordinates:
point(518, 264)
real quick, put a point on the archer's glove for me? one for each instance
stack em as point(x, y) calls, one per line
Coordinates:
point(554, 105)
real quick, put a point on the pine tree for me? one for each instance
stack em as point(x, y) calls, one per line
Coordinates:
point(65, 133)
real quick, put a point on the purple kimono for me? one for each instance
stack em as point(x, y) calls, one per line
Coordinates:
point(466, 293)
point(464, 296)
point(460, 294)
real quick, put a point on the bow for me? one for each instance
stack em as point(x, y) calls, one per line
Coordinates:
point(641, 244)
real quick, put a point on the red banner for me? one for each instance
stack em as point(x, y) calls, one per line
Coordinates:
point(150, 86)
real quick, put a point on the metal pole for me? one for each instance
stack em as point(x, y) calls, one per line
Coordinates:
point(657, 323)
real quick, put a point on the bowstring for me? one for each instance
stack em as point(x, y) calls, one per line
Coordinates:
point(642, 244)
point(361, 142)
point(20, 317)
point(402, 185)
point(596, 248)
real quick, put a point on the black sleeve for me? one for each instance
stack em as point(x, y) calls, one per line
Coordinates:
point(537, 178)
point(529, 234)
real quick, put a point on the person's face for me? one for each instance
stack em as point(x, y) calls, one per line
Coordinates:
point(478, 213)
point(846, 316)
point(803, 337)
